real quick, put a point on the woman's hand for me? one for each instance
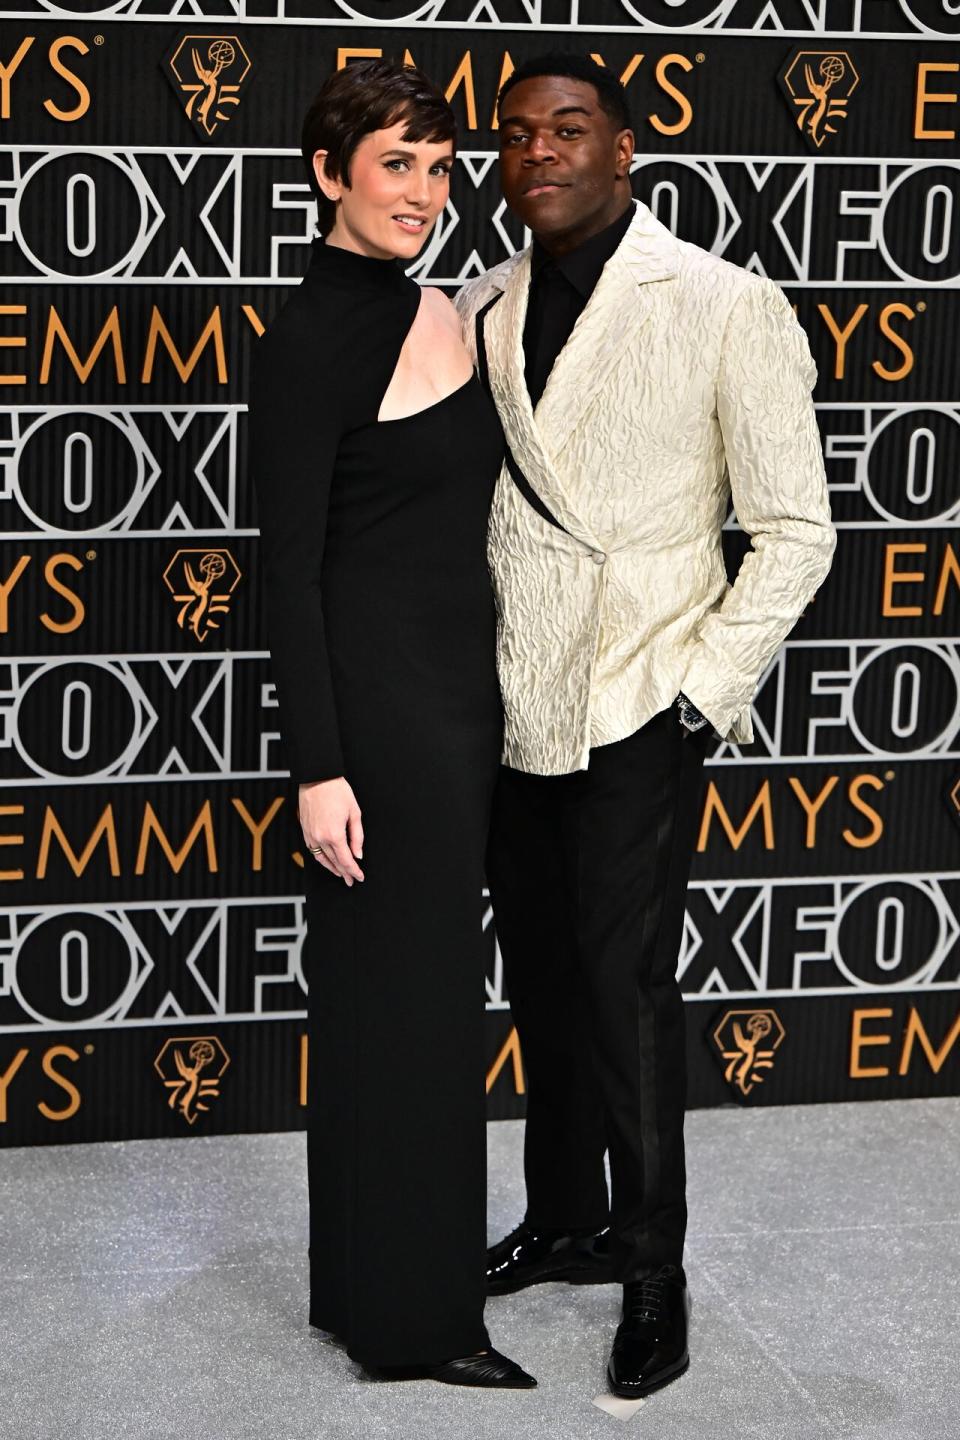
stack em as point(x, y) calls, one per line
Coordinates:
point(330, 817)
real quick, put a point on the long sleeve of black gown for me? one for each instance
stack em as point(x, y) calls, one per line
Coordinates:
point(320, 370)
point(295, 424)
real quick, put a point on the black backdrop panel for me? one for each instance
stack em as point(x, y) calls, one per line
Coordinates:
point(151, 920)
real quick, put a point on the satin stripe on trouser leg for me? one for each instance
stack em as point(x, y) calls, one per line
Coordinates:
point(593, 867)
point(532, 885)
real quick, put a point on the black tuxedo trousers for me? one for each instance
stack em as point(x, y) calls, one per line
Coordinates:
point(587, 875)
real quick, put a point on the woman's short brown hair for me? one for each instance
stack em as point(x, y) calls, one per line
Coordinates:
point(365, 96)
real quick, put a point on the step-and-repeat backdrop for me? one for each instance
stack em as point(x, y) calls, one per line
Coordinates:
point(153, 215)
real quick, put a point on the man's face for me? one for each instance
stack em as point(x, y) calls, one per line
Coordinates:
point(563, 164)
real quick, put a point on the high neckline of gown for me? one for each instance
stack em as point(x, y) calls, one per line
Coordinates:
point(349, 267)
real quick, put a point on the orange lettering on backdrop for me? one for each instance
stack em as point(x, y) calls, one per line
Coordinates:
point(56, 330)
point(463, 75)
point(52, 829)
point(7, 72)
point(73, 1104)
point(255, 321)
point(5, 587)
point(927, 97)
point(151, 826)
point(257, 828)
point(897, 341)
point(509, 1050)
point(68, 42)
point(629, 71)
point(13, 342)
point(11, 840)
point(863, 842)
point(715, 806)
point(213, 330)
point(949, 570)
point(841, 334)
point(686, 109)
point(506, 70)
point(859, 1041)
point(812, 805)
point(63, 627)
point(915, 1031)
point(5, 1077)
point(892, 576)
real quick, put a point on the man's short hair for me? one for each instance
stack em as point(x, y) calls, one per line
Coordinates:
point(369, 95)
point(611, 93)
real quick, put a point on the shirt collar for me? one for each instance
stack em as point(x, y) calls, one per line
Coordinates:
point(582, 266)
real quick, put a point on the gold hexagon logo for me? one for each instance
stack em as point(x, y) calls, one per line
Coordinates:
point(747, 1041)
point(207, 72)
point(202, 583)
point(817, 85)
point(191, 1067)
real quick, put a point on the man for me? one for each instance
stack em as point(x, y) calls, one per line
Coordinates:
point(640, 381)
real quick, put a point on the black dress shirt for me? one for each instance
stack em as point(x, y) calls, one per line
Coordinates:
point(559, 291)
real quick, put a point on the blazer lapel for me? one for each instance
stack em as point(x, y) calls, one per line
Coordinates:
point(613, 319)
point(503, 332)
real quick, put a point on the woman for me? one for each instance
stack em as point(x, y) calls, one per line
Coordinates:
point(375, 451)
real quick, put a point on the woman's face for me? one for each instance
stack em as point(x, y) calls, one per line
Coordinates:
point(397, 189)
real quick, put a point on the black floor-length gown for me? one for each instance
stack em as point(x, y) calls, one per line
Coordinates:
point(381, 625)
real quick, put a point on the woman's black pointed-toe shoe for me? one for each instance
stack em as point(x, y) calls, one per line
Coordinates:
point(491, 1371)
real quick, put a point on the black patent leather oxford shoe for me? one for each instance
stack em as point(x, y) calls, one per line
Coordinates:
point(529, 1257)
point(650, 1347)
point(491, 1371)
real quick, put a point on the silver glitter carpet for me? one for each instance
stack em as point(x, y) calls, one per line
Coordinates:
point(156, 1291)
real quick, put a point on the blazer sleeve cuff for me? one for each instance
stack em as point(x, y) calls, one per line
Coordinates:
point(725, 704)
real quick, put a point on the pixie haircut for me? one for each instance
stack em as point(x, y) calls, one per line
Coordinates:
point(365, 96)
point(610, 92)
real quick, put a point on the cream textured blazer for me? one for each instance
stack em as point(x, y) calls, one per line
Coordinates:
point(684, 380)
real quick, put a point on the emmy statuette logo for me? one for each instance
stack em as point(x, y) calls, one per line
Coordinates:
point(207, 71)
point(817, 85)
point(747, 1041)
point(191, 1067)
point(191, 577)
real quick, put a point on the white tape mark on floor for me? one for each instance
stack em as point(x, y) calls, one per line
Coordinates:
point(619, 1409)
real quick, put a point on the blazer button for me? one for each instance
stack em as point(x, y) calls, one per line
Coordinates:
point(599, 557)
